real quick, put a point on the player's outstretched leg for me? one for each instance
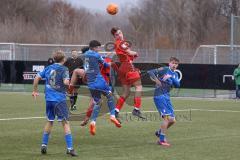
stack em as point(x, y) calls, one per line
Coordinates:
point(137, 99)
point(89, 113)
point(121, 100)
point(111, 106)
point(96, 110)
point(137, 104)
point(119, 105)
point(73, 89)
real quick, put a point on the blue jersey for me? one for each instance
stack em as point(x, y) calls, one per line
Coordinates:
point(166, 86)
point(54, 76)
point(91, 66)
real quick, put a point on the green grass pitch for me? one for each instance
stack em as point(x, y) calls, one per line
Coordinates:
point(210, 132)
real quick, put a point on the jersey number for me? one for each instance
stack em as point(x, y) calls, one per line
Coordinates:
point(86, 65)
point(52, 80)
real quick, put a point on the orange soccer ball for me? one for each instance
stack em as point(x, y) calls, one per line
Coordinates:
point(112, 9)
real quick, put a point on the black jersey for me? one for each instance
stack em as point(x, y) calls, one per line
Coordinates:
point(72, 64)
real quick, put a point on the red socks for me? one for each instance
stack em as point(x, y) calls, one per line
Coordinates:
point(137, 102)
point(121, 100)
point(90, 108)
point(120, 103)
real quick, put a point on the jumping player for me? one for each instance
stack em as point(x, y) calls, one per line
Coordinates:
point(129, 75)
point(97, 84)
point(165, 78)
point(105, 72)
point(56, 76)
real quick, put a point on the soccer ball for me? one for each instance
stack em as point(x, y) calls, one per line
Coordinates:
point(112, 9)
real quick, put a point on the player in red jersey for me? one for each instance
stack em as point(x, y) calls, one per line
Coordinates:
point(128, 75)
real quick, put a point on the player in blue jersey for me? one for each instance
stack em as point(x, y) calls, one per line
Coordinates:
point(97, 84)
point(56, 77)
point(165, 78)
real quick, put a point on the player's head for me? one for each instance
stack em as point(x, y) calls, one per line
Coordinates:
point(74, 53)
point(173, 63)
point(94, 45)
point(59, 56)
point(117, 33)
point(84, 49)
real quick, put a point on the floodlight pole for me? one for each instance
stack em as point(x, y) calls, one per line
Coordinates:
point(215, 55)
point(232, 28)
point(232, 32)
point(232, 36)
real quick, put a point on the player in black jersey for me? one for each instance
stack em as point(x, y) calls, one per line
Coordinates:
point(72, 63)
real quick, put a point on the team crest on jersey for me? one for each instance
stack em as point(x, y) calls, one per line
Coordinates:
point(125, 45)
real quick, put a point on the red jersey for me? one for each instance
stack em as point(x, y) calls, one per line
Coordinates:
point(105, 71)
point(120, 49)
point(126, 67)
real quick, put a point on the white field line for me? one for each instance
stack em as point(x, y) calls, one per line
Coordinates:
point(212, 110)
point(183, 110)
point(23, 118)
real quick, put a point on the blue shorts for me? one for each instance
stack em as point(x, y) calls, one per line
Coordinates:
point(164, 105)
point(51, 111)
point(99, 87)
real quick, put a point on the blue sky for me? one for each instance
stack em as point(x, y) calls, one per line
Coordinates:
point(100, 5)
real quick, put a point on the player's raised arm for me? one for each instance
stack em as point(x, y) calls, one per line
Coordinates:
point(152, 73)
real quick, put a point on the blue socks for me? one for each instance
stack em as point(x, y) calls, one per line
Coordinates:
point(69, 141)
point(45, 138)
point(96, 110)
point(111, 105)
point(162, 137)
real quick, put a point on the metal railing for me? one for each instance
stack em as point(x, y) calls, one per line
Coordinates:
point(204, 54)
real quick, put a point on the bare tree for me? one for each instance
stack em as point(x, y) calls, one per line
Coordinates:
point(151, 24)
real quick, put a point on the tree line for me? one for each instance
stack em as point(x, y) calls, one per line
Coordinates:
point(173, 24)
